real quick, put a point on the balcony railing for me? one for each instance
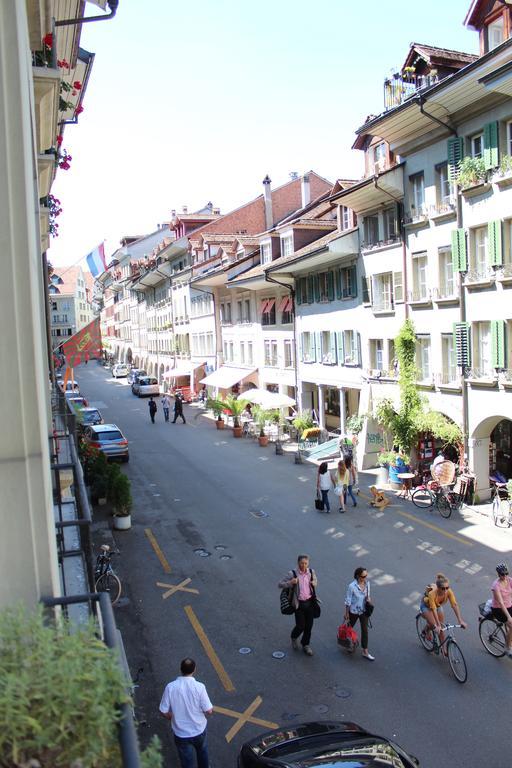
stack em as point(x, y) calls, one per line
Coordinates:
point(402, 85)
point(444, 292)
point(505, 272)
point(419, 295)
point(416, 215)
point(383, 305)
point(371, 246)
point(447, 379)
point(484, 275)
point(485, 374)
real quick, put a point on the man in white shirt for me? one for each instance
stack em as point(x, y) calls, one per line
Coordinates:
point(438, 460)
point(185, 703)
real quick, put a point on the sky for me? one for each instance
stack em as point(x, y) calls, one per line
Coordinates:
point(190, 102)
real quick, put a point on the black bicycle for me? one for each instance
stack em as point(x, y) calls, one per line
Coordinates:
point(443, 497)
point(431, 642)
point(492, 633)
point(105, 580)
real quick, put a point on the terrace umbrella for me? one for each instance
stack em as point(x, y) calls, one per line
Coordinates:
point(266, 399)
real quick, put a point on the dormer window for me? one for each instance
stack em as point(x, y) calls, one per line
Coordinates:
point(379, 157)
point(346, 217)
point(495, 33)
point(287, 245)
point(266, 253)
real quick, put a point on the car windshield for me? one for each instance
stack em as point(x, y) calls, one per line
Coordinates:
point(92, 416)
point(358, 753)
point(114, 434)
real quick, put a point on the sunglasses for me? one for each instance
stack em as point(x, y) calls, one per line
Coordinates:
point(444, 588)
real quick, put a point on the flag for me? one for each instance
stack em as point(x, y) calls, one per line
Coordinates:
point(96, 260)
point(83, 345)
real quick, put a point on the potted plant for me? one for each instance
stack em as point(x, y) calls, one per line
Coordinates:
point(472, 172)
point(302, 422)
point(261, 416)
point(235, 406)
point(216, 405)
point(122, 501)
point(98, 470)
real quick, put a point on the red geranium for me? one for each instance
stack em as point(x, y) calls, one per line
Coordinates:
point(77, 84)
point(79, 110)
point(48, 40)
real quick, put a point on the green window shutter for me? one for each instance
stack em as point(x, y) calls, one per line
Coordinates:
point(455, 155)
point(366, 289)
point(398, 287)
point(491, 158)
point(353, 280)
point(462, 340)
point(341, 348)
point(495, 243)
point(459, 251)
point(498, 343)
point(330, 286)
point(318, 347)
point(298, 293)
point(332, 345)
point(311, 289)
point(337, 279)
point(316, 288)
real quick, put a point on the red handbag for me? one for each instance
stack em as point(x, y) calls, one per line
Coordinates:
point(347, 636)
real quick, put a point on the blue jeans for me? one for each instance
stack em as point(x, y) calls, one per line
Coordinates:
point(325, 499)
point(187, 747)
point(351, 494)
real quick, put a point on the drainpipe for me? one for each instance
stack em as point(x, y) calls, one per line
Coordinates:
point(462, 303)
point(112, 4)
point(46, 279)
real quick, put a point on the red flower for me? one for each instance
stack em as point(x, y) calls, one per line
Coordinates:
point(59, 140)
point(48, 40)
point(77, 84)
point(63, 64)
point(79, 110)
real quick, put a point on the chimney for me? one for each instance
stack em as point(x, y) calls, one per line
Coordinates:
point(294, 175)
point(209, 205)
point(267, 195)
point(173, 213)
point(184, 209)
point(306, 190)
point(216, 211)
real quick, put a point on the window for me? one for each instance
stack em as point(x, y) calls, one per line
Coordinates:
point(225, 313)
point(390, 224)
point(346, 218)
point(371, 230)
point(328, 347)
point(286, 307)
point(324, 286)
point(444, 187)
point(247, 311)
point(377, 354)
point(250, 359)
point(392, 362)
point(242, 352)
point(54, 305)
point(287, 245)
point(509, 138)
point(266, 253)
point(239, 312)
point(478, 257)
point(476, 145)
point(288, 354)
point(379, 157)
point(449, 358)
point(423, 357)
point(495, 33)
point(482, 356)
point(446, 281)
point(268, 316)
point(302, 291)
point(382, 292)
point(351, 348)
point(346, 282)
point(308, 347)
point(420, 276)
point(270, 348)
point(417, 193)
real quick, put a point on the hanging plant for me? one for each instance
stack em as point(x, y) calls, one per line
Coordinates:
point(55, 209)
point(64, 160)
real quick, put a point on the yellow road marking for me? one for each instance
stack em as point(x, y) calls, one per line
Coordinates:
point(215, 661)
point(165, 565)
point(244, 717)
point(172, 588)
point(435, 528)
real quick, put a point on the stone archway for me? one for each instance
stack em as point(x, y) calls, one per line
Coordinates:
point(479, 455)
point(161, 373)
point(129, 356)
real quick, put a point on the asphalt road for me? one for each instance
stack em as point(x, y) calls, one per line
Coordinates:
point(198, 490)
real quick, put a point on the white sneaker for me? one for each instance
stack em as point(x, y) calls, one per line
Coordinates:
point(307, 650)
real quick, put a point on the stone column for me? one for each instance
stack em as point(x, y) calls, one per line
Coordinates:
point(342, 410)
point(321, 407)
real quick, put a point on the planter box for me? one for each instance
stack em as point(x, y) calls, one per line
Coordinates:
point(123, 523)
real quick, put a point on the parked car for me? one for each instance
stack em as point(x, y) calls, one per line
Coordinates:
point(71, 386)
point(322, 745)
point(90, 416)
point(73, 399)
point(132, 376)
point(119, 370)
point(109, 439)
point(146, 386)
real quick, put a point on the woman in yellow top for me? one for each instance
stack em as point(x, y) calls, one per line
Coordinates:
point(433, 602)
point(341, 480)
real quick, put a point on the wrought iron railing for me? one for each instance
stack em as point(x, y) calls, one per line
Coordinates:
point(420, 294)
point(484, 275)
point(401, 86)
point(487, 374)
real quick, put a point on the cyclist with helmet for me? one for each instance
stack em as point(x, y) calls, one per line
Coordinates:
point(432, 604)
point(502, 601)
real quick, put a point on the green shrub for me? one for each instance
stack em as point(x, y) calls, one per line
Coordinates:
point(472, 171)
point(121, 495)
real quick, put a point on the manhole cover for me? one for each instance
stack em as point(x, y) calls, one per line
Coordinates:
point(219, 547)
point(225, 557)
point(202, 552)
point(278, 655)
point(343, 693)
point(259, 513)
point(244, 651)
point(321, 709)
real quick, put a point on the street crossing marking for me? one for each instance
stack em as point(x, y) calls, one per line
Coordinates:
point(244, 717)
point(158, 552)
point(209, 650)
point(172, 588)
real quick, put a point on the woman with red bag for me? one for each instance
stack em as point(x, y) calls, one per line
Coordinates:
point(357, 601)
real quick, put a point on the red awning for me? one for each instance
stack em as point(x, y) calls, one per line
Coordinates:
point(270, 304)
point(282, 304)
point(263, 305)
point(289, 305)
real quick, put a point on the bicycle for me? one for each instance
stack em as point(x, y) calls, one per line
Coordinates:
point(492, 633)
point(501, 505)
point(105, 580)
point(431, 643)
point(444, 498)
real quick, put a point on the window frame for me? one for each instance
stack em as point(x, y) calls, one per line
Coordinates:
point(286, 245)
point(472, 139)
point(415, 186)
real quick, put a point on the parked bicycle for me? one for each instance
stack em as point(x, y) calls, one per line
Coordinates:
point(501, 505)
point(449, 646)
point(431, 493)
point(492, 633)
point(105, 580)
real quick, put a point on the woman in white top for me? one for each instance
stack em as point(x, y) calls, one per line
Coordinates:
point(324, 484)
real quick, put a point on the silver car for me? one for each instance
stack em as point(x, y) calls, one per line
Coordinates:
point(108, 439)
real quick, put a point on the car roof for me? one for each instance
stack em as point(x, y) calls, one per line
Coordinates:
point(105, 427)
point(90, 410)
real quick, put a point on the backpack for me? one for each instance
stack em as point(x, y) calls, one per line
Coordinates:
point(286, 599)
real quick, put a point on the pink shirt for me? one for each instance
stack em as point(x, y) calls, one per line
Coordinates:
point(505, 587)
point(305, 591)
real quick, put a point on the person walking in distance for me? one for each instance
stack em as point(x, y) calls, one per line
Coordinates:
point(166, 404)
point(303, 584)
point(178, 407)
point(152, 409)
point(351, 480)
point(324, 484)
point(356, 599)
point(186, 704)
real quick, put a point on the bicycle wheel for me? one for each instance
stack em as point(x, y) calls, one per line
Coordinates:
point(492, 636)
point(422, 498)
point(421, 629)
point(501, 512)
point(444, 506)
point(457, 662)
point(110, 583)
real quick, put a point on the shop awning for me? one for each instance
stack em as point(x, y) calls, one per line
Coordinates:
point(226, 376)
point(182, 369)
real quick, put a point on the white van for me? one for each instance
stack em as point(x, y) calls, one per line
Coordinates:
point(119, 370)
point(146, 386)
